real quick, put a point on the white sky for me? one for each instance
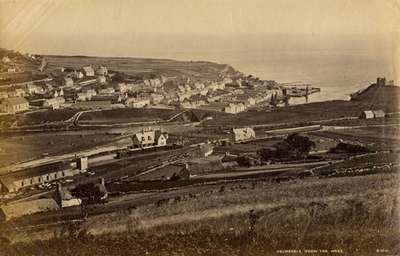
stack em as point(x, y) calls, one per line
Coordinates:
point(30, 24)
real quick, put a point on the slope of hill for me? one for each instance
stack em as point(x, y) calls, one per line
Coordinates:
point(17, 60)
point(379, 97)
point(144, 66)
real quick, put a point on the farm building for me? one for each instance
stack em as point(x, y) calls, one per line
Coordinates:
point(13, 105)
point(5, 59)
point(243, 134)
point(102, 71)
point(137, 102)
point(13, 182)
point(88, 71)
point(19, 209)
point(378, 113)
point(54, 103)
point(101, 79)
point(234, 108)
point(149, 138)
point(367, 114)
point(65, 199)
point(68, 82)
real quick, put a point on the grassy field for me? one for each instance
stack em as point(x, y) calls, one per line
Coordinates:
point(127, 115)
point(22, 148)
point(41, 117)
point(356, 215)
point(299, 114)
point(143, 67)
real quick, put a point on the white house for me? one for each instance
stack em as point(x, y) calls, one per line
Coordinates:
point(101, 79)
point(367, 114)
point(54, 103)
point(5, 59)
point(149, 138)
point(65, 199)
point(68, 82)
point(137, 102)
point(13, 105)
point(102, 71)
point(107, 90)
point(243, 134)
point(234, 108)
point(156, 98)
point(88, 71)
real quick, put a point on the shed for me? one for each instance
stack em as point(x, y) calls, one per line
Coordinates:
point(243, 134)
point(367, 114)
point(15, 210)
point(378, 113)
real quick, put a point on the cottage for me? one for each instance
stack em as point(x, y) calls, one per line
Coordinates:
point(54, 103)
point(149, 138)
point(68, 82)
point(378, 113)
point(156, 98)
point(102, 71)
point(5, 59)
point(77, 74)
point(107, 90)
point(101, 79)
point(234, 108)
point(86, 95)
point(121, 87)
point(88, 71)
point(13, 105)
point(367, 114)
point(137, 102)
point(242, 134)
point(34, 89)
point(65, 199)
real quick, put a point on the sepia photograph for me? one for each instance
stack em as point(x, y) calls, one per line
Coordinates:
point(199, 127)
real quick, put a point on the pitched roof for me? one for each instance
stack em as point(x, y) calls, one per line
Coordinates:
point(19, 209)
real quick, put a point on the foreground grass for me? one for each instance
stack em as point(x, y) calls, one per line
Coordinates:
point(357, 215)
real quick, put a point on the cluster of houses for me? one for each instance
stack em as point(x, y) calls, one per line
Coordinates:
point(91, 87)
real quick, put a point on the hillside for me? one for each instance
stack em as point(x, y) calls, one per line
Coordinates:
point(144, 66)
point(17, 60)
point(379, 97)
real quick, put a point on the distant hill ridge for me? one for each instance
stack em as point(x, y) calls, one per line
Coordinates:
point(140, 66)
point(379, 95)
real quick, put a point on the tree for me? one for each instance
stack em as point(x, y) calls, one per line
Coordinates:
point(294, 146)
point(301, 145)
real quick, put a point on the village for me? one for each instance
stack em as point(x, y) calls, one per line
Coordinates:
point(153, 140)
point(95, 87)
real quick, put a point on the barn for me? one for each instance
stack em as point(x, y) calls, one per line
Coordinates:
point(367, 114)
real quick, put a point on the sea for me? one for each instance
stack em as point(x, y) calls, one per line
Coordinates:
point(337, 73)
point(338, 64)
